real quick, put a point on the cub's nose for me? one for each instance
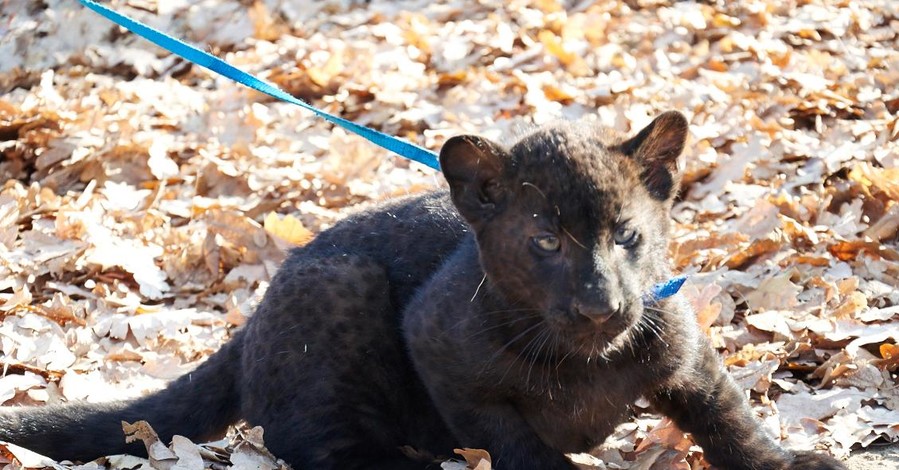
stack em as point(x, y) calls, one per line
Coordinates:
point(598, 313)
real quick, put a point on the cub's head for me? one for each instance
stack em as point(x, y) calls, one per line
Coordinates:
point(572, 221)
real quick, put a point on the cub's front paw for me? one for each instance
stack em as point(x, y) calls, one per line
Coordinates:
point(813, 461)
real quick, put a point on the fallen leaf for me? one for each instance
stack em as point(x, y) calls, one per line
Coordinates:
point(288, 229)
point(477, 459)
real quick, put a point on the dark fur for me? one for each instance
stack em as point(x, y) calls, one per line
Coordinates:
point(409, 326)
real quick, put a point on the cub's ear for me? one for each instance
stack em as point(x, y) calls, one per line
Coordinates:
point(472, 166)
point(656, 148)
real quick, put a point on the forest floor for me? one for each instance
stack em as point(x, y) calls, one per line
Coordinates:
point(145, 203)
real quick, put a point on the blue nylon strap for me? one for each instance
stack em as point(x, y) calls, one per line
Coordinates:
point(211, 62)
point(666, 289)
point(400, 147)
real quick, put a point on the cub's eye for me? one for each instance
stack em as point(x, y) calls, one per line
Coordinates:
point(547, 243)
point(626, 237)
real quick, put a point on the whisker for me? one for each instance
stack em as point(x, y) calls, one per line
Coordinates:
point(655, 324)
point(478, 288)
point(518, 356)
point(501, 325)
point(566, 356)
point(630, 339)
point(510, 310)
point(545, 334)
point(502, 348)
point(573, 239)
point(661, 314)
point(658, 317)
point(532, 185)
point(526, 355)
point(555, 346)
point(497, 312)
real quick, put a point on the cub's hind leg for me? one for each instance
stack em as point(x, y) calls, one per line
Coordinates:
point(326, 372)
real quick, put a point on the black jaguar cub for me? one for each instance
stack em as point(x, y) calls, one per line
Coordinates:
point(507, 315)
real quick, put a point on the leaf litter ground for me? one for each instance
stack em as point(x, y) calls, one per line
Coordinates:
point(146, 203)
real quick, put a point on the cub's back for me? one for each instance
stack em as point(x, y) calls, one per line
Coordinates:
point(410, 237)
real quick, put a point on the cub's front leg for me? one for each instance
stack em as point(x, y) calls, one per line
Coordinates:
point(501, 430)
point(478, 414)
point(704, 401)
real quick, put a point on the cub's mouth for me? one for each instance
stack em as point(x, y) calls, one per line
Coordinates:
point(591, 336)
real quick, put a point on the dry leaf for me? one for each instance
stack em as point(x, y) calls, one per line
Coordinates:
point(26, 458)
point(288, 229)
point(477, 459)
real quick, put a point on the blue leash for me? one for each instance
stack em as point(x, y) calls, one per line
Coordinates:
point(219, 66)
point(663, 290)
point(400, 147)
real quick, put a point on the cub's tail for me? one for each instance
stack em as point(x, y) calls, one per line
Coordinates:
point(197, 405)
